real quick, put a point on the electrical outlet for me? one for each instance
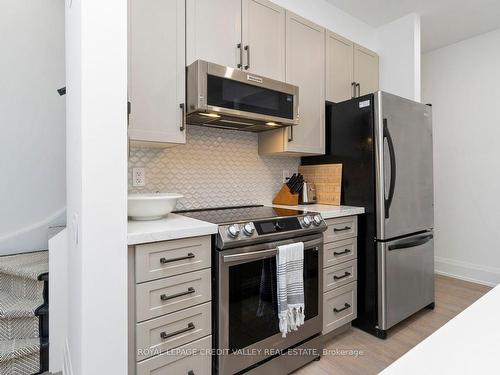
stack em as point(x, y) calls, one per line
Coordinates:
point(138, 177)
point(286, 175)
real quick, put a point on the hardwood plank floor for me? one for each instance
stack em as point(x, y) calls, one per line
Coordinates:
point(452, 297)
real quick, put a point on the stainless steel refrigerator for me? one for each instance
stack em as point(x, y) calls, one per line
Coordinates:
point(385, 145)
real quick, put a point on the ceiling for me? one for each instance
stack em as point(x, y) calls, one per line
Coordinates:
point(443, 22)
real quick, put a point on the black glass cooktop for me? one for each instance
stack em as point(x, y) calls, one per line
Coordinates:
point(229, 215)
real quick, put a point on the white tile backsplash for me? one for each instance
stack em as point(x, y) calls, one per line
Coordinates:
point(216, 167)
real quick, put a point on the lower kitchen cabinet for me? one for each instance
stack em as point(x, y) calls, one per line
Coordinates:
point(192, 358)
point(170, 313)
point(339, 307)
point(305, 67)
point(340, 273)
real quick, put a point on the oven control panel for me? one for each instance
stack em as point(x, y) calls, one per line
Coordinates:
point(230, 235)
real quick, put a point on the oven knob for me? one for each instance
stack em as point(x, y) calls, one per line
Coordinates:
point(233, 231)
point(317, 220)
point(248, 229)
point(306, 220)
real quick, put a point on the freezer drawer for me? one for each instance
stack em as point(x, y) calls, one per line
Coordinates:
point(406, 277)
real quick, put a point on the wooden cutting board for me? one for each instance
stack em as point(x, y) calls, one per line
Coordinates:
point(328, 181)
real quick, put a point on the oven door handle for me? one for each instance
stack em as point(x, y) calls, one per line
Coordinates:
point(251, 255)
point(260, 254)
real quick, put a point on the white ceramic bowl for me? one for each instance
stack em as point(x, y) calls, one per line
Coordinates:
point(151, 206)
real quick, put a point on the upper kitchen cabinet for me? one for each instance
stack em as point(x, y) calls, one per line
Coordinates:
point(251, 36)
point(366, 71)
point(351, 70)
point(305, 67)
point(263, 38)
point(339, 68)
point(213, 32)
point(156, 76)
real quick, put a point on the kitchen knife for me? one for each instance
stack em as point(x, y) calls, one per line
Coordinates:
point(291, 181)
point(297, 184)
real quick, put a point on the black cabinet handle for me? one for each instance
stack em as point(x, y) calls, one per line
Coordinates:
point(165, 260)
point(341, 229)
point(346, 251)
point(164, 297)
point(335, 277)
point(346, 306)
point(165, 335)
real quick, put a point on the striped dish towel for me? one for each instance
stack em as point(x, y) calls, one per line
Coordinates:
point(290, 279)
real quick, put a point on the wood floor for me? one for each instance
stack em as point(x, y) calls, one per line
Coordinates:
point(452, 297)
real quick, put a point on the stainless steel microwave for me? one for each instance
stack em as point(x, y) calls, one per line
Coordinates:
point(225, 97)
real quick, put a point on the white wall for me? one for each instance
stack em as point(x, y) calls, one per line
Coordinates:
point(32, 145)
point(334, 19)
point(96, 71)
point(398, 45)
point(461, 81)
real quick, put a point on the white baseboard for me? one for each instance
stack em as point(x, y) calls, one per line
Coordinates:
point(67, 368)
point(475, 273)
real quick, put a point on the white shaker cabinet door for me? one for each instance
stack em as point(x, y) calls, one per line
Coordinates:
point(213, 32)
point(366, 71)
point(305, 67)
point(263, 38)
point(339, 68)
point(156, 76)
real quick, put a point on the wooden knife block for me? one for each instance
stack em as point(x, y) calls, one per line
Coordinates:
point(285, 197)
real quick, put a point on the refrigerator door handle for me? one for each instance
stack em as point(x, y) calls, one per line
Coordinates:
point(392, 156)
point(411, 242)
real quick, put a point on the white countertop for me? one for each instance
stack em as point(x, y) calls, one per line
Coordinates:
point(177, 226)
point(467, 344)
point(327, 211)
point(170, 228)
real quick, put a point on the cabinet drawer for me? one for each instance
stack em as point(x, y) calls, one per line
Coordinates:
point(339, 252)
point(169, 331)
point(169, 258)
point(164, 296)
point(339, 307)
point(194, 357)
point(341, 228)
point(339, 275)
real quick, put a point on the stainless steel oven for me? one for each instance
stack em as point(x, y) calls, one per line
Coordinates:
point(247, 317)
point(225, 97)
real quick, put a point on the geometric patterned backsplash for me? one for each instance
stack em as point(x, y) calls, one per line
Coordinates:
point(216, 167)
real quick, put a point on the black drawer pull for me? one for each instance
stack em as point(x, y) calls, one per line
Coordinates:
point(346, 306)
point(190, 372)
point(165, 335)
point(341, 229)
point(346, 251)
point(335, 277)
point(165, 260)
point(164, 297)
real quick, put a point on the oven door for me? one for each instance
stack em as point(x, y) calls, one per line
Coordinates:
point(248, 311)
